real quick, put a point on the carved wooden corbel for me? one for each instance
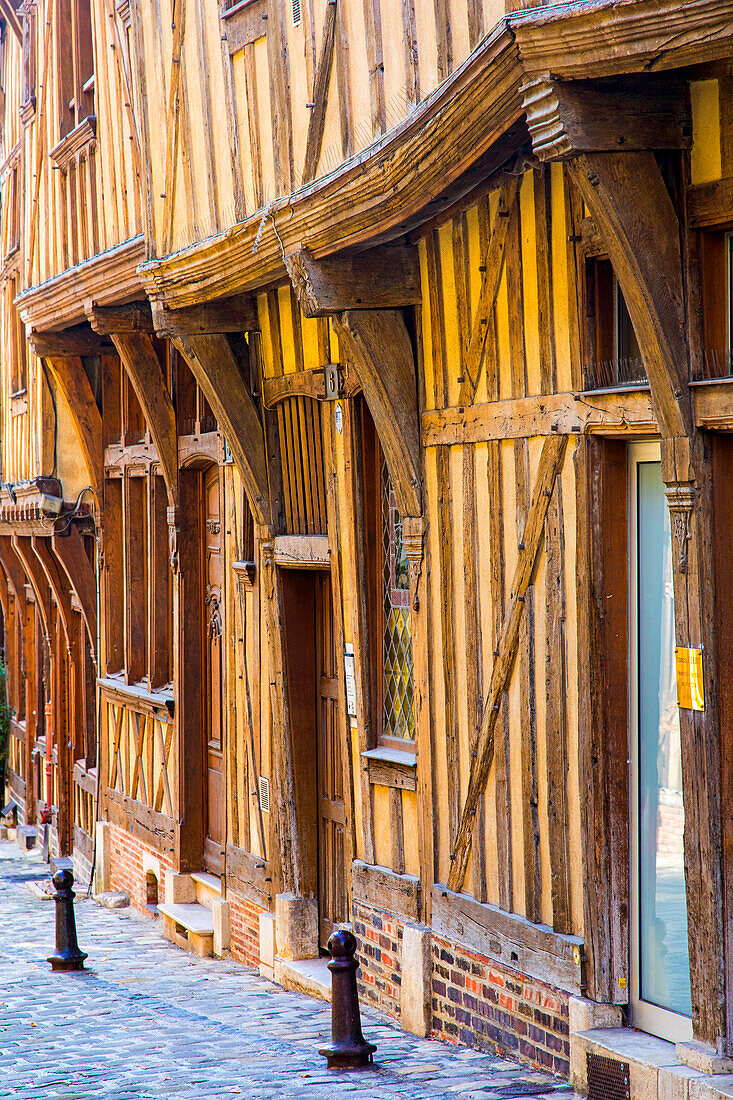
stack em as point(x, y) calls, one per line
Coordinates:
point(413, 530)
point(566, 118)
point(383, 278)
point(681, 504)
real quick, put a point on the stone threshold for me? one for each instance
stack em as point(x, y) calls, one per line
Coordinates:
point(310, 976)
point(658, 1070)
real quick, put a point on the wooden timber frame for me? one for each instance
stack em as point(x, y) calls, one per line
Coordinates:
point(631, 204)
point(374, 324)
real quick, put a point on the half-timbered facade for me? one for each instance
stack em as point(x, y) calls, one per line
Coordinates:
point(366, 498)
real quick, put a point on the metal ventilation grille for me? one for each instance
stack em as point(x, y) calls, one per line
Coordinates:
point(264, 794)
point(607, 1078)
point(296, 13)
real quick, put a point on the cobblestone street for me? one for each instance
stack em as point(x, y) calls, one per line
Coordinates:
point(149, 1020)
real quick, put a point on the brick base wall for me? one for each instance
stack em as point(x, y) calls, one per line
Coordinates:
point(483, 1005)
point(126, 867)
point(379, 950)
point(475, 1002)
point(244, 918)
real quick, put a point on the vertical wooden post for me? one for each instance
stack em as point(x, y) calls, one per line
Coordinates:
point(184, 527)
point(413, 533)
point(686, 466)
point(282, 749)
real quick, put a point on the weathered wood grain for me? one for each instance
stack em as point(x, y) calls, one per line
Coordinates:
point(553, 452)
point(508, 939)
point(380, 888)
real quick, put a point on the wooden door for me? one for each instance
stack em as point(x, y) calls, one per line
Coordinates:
point(213, 653)
point(331, 814)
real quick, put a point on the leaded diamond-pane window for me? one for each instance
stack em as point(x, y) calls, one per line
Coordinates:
point(397, 685)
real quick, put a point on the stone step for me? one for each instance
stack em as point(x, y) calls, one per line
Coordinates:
point(189, 925)
point(207, 887)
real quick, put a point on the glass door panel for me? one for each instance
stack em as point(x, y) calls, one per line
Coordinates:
point(660, 972)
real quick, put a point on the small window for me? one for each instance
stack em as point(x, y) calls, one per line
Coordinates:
point(75, 64)
point(388, 598)
point(716, 263)
point(613, 356)
point(397, 681)
point(29, 55)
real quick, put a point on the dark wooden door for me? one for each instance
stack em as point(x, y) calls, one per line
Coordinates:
point(331, 814)
point(213, 649)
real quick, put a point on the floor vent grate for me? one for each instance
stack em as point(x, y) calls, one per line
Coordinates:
point(608, 1079)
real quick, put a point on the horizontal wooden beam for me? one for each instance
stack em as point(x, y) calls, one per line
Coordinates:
point(236, 314)
point(154, 704)
point(304, 383)
point(302, 552)
point(629, 115)
point(249, 875)
point(384, 278)
point(611, 414)
point(132, 317)
point(713, 405)
point(710, 204)
point(152, 827)
point(78, 340)
point(244, 23)
point(571, 42)
point(508, 939)
point(380, 888)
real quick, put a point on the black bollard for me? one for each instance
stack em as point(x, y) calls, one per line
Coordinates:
point(348, 1049)
point(68, 956)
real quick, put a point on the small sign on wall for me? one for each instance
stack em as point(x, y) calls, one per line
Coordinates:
point(350, 677)
point(690, 687)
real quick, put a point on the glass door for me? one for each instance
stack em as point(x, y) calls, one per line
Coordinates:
point(660, 971)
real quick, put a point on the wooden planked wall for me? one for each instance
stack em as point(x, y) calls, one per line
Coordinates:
point(241, 103)
point(526, 853)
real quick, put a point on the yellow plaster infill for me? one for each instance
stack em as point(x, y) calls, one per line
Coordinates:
point(706, 158)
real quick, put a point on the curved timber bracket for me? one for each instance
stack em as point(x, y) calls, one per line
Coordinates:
point(378, 347)
point(130, 328)
point(58, 584)
point(608, 134)
point(214, 366)
point(69, 549)
point(71, 379)
point(630, 205)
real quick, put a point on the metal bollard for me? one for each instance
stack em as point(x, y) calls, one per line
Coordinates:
point(348, 1048)
point(68, 956)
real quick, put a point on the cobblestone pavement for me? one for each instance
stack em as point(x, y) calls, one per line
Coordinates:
point(147, 1020)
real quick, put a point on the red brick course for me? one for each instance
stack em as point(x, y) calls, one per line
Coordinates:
point(487, 1006)
point(379, 950)
point(126, 867)
point(245, 929)
point(475, 1002)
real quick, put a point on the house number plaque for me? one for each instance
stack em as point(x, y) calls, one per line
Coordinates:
point(690, 687)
